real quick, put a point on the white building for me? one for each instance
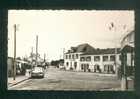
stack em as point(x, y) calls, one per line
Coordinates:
point(128, 39)
point(72, 57)
point(104, 60)
point(86, 58)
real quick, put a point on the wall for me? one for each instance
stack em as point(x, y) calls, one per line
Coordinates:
point(9, 66)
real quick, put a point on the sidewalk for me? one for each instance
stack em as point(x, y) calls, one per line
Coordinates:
point(18, 80)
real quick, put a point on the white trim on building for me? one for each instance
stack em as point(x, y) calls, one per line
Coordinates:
point(92, 62)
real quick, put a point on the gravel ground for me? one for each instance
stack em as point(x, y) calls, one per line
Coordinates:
point(56, 79)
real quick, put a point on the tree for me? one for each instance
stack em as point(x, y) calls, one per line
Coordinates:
point(55, 63)
point(18, 58)
point(25, 59)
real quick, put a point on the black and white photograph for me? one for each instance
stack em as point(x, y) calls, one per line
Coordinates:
point(71, 50)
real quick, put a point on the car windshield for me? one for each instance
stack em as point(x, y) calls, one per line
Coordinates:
point(38, 69)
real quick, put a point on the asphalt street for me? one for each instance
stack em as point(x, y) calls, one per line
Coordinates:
point(56, 79)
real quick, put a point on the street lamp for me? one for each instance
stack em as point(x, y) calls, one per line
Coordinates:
point(124, 82)
point(36, 50)
point(113, 28)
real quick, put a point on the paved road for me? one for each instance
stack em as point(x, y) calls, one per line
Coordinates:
point(56, 79)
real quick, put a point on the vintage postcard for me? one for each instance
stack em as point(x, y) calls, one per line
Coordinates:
point(83, 50)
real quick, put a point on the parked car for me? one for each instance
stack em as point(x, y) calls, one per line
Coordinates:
point(38, 72)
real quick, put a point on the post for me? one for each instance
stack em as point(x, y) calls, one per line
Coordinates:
point(131, 69)
point(44, 57)
point(124, 83)
point(36, 49)
point(63, 56)
point(14, 66)
point(63, 53)
point(115, 63)
point(31, 57)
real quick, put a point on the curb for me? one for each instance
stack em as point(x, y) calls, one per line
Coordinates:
point(11, 85)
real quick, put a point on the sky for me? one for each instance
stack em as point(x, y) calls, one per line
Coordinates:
point(62, 29)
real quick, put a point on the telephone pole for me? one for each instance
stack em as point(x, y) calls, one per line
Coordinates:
point(63, 53)
point(36, 49)
point(44, 57)
point(14, 66)
point(32, 57)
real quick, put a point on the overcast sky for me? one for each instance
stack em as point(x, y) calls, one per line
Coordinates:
point(58, 29)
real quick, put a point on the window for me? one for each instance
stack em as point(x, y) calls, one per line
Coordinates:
point(82, 59)
point(66, 56)
point(76, 56)
point(69, 56)
point(96, 58)
point(105, 58)
point(88, 58)
point(73, 56)
point(84, 49)
point(106, 68)
point(87, 65)
point(132, 55)
point(112, 58)
point(97, 68)
point(67, 63)
point(82, 66)
point(75, 64)
point(120, 57)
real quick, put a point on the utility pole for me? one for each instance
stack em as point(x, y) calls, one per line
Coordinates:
point(32, 53)
point(14, 66)
point(36, 50)
point(32, 57)
point(63, 53)
point(44, 64)
point(124, 83)
point(44, 57)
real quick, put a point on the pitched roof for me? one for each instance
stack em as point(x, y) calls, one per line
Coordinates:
point(85, 48)
point(103, 51)
point(108, 51)
point(89, 50)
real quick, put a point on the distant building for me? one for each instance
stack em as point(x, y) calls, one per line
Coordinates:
point(61, 64)
point(86, 58)
point(20, 66)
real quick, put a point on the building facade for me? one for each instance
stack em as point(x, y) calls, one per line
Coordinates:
point(72, 57)
point(102, 63)
point(88, 59)
point(10, 63)
point(127, 51)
